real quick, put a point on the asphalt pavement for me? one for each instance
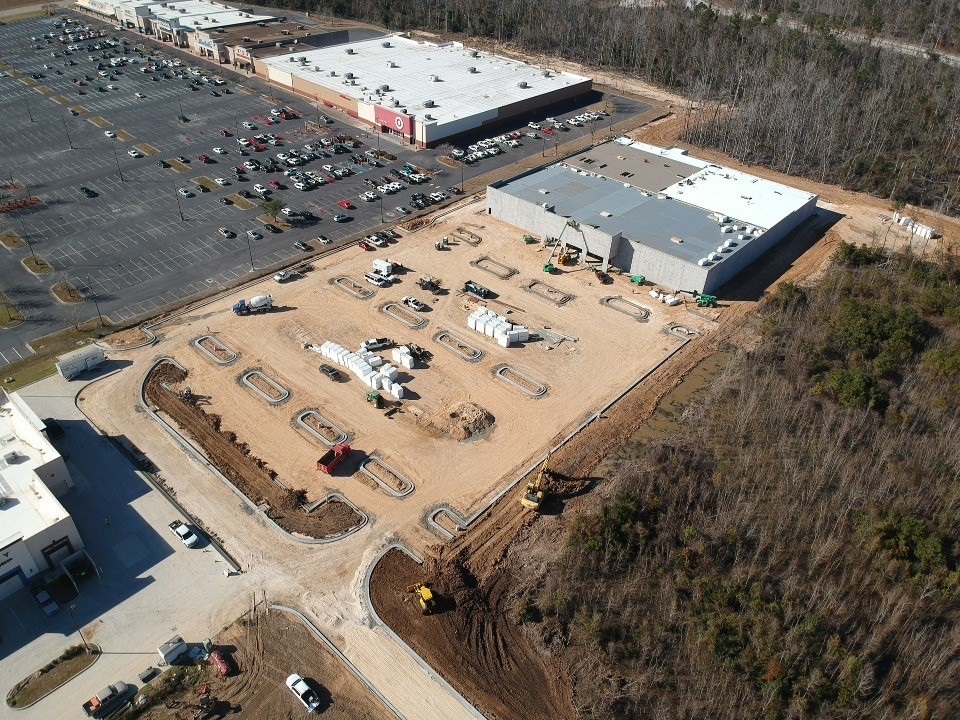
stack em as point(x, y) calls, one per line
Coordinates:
point(137, 245)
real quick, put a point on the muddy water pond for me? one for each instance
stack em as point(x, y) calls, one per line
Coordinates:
point(665, 421)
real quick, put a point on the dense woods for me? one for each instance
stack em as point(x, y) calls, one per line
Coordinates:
point(792, 553)
point(802, 101)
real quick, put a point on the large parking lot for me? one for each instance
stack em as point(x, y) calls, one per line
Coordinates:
point(135, 244)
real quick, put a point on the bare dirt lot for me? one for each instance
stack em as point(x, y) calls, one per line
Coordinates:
point(459, 465)
point(251, 475)
point(267, 650)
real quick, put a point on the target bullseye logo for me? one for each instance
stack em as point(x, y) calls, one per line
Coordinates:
point(399, 123)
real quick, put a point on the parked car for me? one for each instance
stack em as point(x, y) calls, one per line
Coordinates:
point(341, 218)
point(413, 303)
point(224, 232)
point(374, 344)
point(331, 372)
point(223, 662)
point(305, 694)
point(45, 600)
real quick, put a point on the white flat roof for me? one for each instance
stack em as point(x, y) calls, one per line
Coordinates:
point(740, 195)
point(201, 14)
point(407, 68)
point(30, 506)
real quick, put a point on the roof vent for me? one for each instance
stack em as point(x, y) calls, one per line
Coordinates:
point(396, 103)
point(386, 44)
point(546, 73)
point(351, 51)
point(474, 53)
point(471, 69)
point(606, 213)
point(428, 116)
point(316, 68)
point(391, 64)
point(385, 88)
point(434, 78)
point(429, 103)
point(547, 206)
point(523, 84)
point(303, 58)
point(333, 73)
point(543, 191)
point(348, 76)
point(676, 239)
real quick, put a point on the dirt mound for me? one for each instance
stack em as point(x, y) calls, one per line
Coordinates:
point(248, 473)
point(477, 647)
point(464, 420)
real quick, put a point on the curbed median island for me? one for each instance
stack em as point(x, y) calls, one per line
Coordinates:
point(250, 475)
point(33, 688)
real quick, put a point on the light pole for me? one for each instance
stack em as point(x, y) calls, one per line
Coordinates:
point(117, 158)
point(176, 196)
point(63, 119)
point(70, 608)
point(250, 253)
point(29, 113)
point(461, 176)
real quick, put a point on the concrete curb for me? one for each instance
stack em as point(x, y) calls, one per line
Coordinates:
point(339, 655)
point(368, 604)
point(53, 690)
point(465, 522)
point(189, 448)
point(151, 339)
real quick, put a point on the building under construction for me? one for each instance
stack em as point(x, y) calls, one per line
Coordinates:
point(681, 222)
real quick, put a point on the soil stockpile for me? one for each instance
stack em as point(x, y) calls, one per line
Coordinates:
point(249, 474)
point(464, 420)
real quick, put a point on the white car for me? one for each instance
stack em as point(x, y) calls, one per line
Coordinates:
point(224, 232)
point(185, 534)
point(533, 126)
point(261, 188)
point(243, 142)
point(301, 186)
point(139, 95)
point(282, 156)
point(413, 303)
point(251, 165)
point(111, 87)
point(438, 197)
point(253, 235)
point(185, 192)
point(109, 133)
point(299, 687)
point(134, 153)
point(249, 125)
point(275, 112)
point(289, 212)
point(220, 151)
point(222, 182)
point(402, 210)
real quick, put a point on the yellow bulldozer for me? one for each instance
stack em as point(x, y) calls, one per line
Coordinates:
point(424, 596)
point(533, 496)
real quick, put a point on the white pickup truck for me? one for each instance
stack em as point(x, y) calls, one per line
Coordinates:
point(183, 532)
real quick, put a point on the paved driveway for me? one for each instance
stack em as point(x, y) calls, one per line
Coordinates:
point(150, 587)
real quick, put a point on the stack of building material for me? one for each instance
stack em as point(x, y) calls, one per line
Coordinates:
point(486, 322)
point(403, 357)
point(362, 365)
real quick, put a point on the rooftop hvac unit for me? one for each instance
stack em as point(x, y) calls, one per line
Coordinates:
point(547, 206)
point(523, 84)
point(396, 103)
point(348, 76)
point(316, 68)
point(474, 53)
point(429, 103)
point(295, 41)
point(303, 58)
point(606, 213)
point(391, 64)
point(543, 191)
point(434, 78)
point(385, 88)
point(333, 73)
point(703, 262)
point(471, 69)
point(351, 51)
point(677, 240)
point(428, 116)
point(386, 44)
point(291, 58)
point(546, 73)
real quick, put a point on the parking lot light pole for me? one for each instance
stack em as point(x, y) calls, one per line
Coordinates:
point(70, 608)
point(67, 132)
point(29, 113)
point(117, 158)
point(176, 196)
point(253, 268)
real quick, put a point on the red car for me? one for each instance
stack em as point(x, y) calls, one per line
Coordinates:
point(223, 662)
point(204, 158)
point(225, 132)
point(364, 246)
point(259, 148)
point(330, 178)
point(275, 185)
point(345, 204)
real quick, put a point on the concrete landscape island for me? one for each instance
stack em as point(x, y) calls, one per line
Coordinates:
point(329, 350)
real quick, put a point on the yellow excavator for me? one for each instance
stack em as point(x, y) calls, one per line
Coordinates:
point(532, 498)
point(424, 596)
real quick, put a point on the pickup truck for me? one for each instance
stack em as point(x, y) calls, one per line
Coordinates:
point(183, 532)
point(333, 457)
point(108, 700)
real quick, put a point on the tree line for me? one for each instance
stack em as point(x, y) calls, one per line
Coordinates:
point(793, 551)
point(798, 101)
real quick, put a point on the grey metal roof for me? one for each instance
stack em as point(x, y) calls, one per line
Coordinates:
point(644, 219)
point(632, 165)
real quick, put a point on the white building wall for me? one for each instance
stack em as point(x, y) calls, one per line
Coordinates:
point(280, 77)
point(661, 268)
point(17, 567)
point(49, 466)
point(64, 529)
point(438, 131)
point(726, 270)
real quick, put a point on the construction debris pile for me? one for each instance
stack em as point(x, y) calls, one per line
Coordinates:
point(466, 419)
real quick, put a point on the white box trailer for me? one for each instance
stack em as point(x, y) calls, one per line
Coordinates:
point(172, 649)
point(79, 361)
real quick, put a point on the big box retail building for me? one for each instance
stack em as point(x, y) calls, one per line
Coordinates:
point(424, 92)
point(683, 223)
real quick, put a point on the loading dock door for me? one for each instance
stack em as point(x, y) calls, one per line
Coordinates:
point(12, 583)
